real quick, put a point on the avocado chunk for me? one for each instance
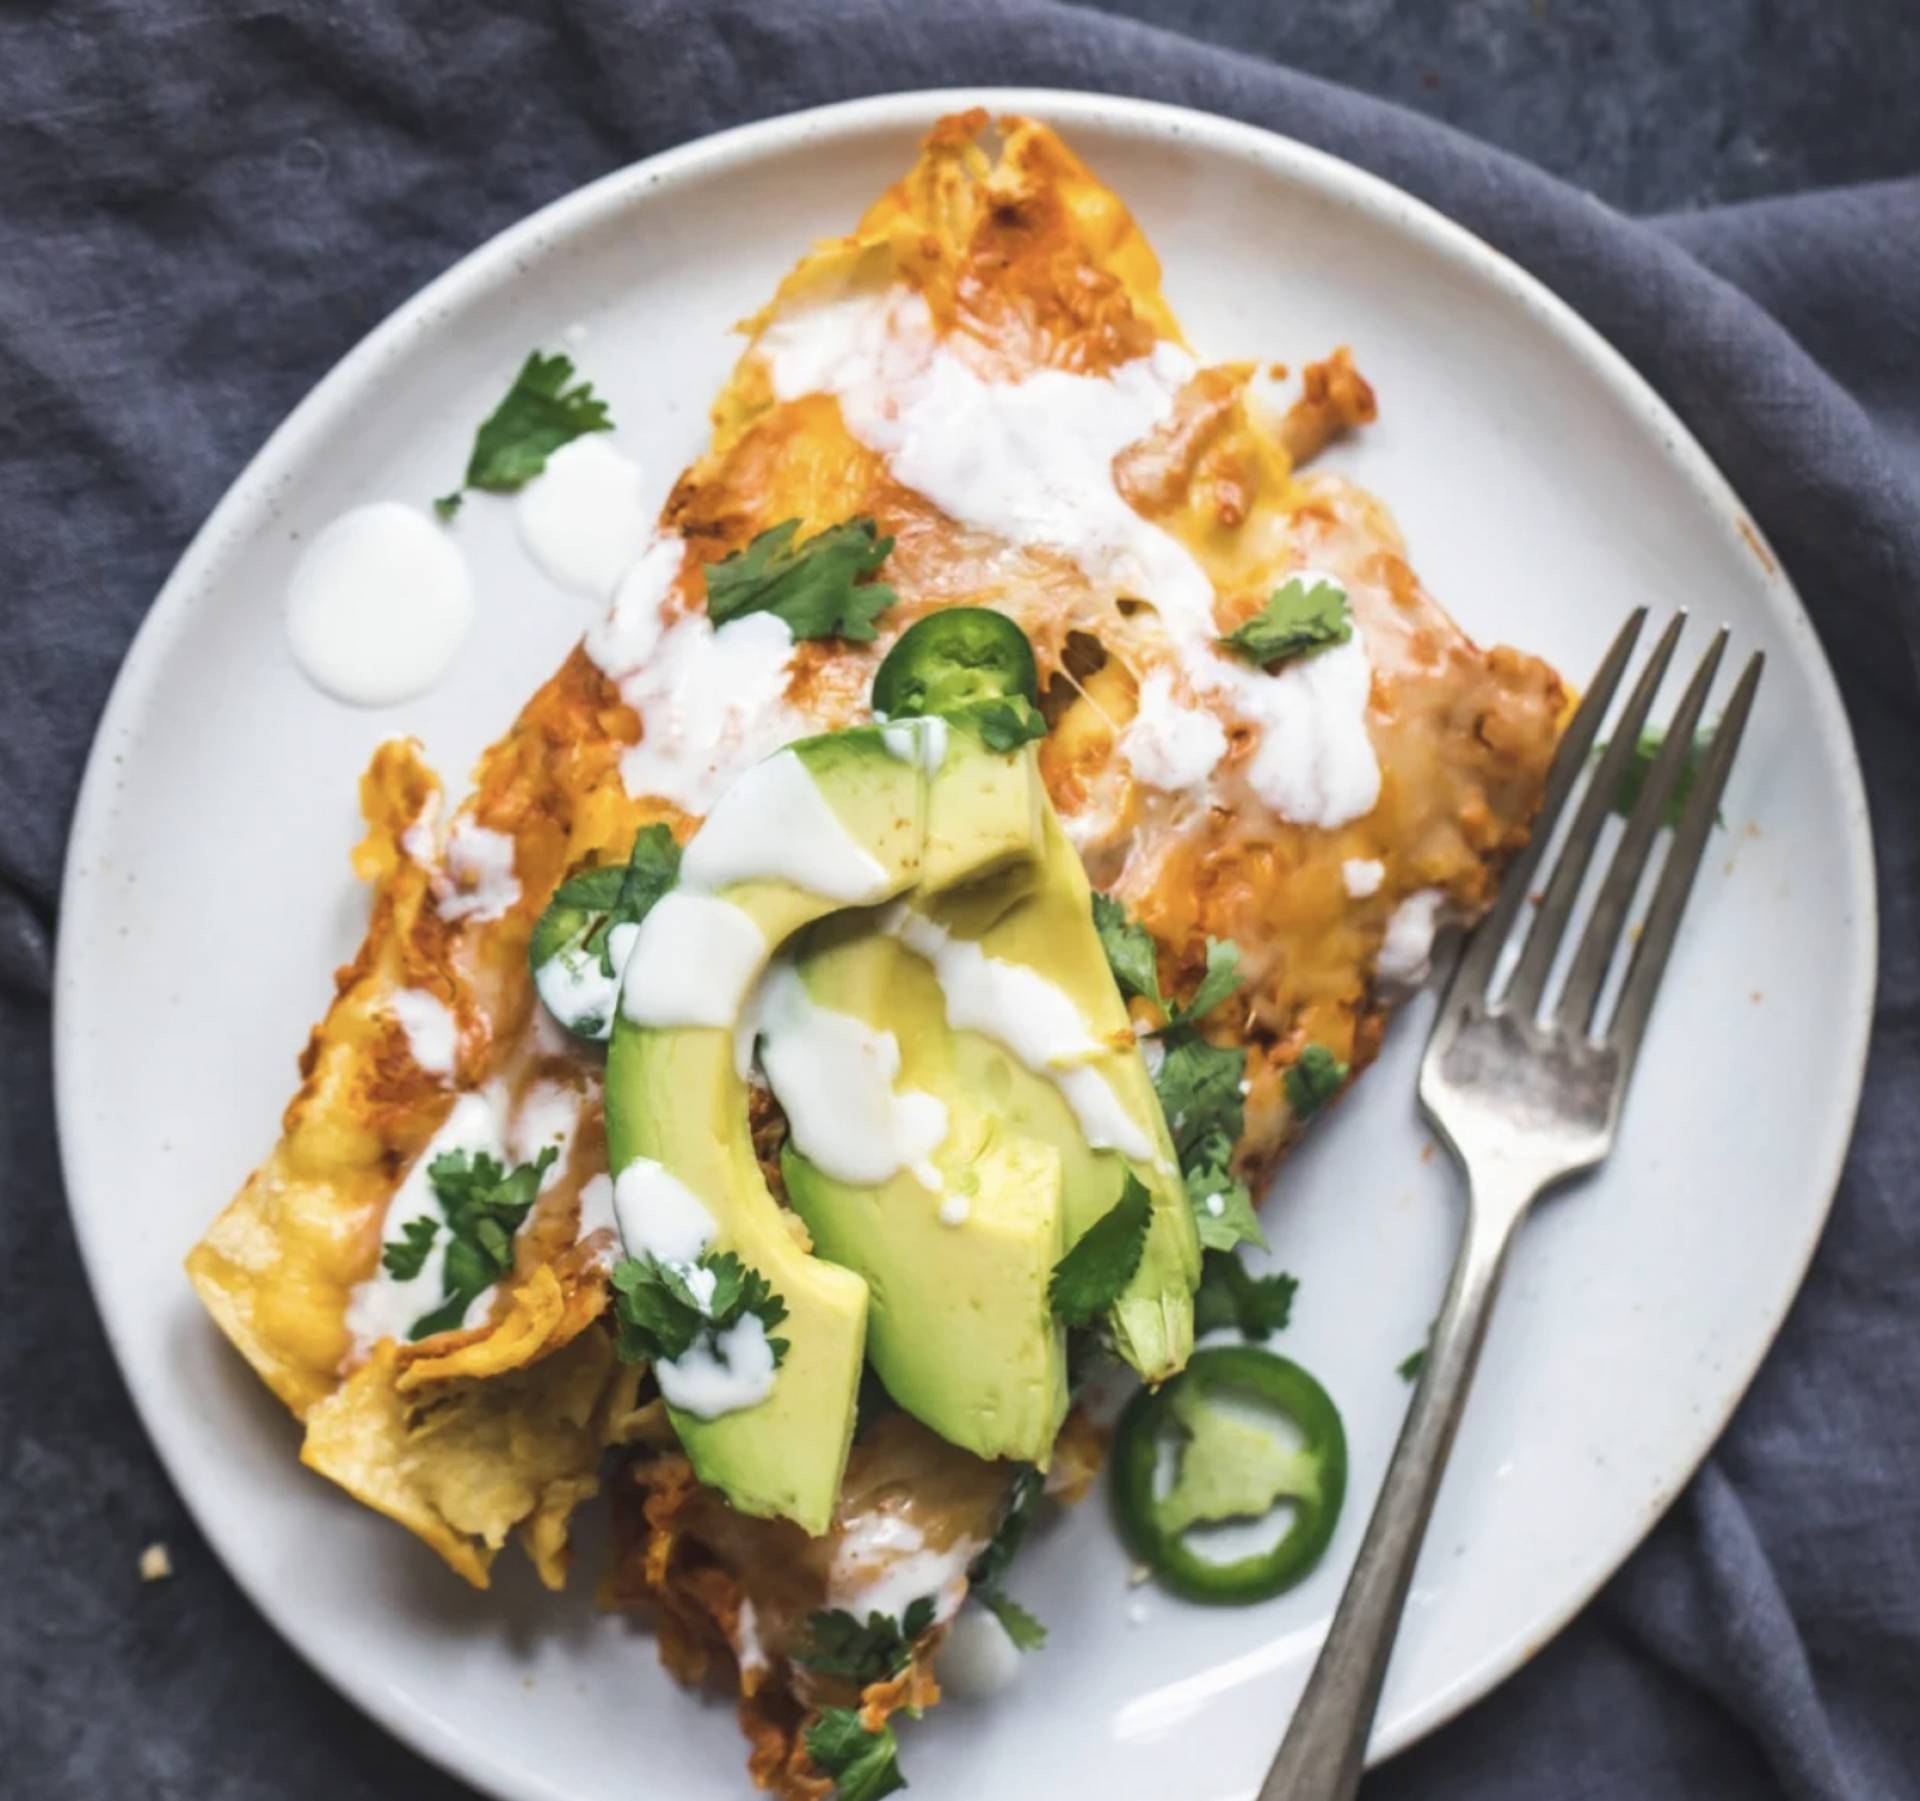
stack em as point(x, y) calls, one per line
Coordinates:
point(958, 1266)
point(1099, 1112)
point(826, 824)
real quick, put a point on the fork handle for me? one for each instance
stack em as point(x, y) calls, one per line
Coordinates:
point(1325, 1748)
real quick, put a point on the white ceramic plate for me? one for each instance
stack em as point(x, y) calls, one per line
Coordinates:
point(1543, 489)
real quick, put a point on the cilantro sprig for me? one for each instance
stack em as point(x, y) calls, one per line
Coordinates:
point(1026, 1632)
point(662, 1314)
point(1089, 1278)
point(819, 585)
point(837, 1644)
point(1312, 1080)
point(1633, 778)
point(1134, 960)
point(1297, 618)
point(1231, 1295)
point(865, 1766)
point(544, 409)
point(482, 1204)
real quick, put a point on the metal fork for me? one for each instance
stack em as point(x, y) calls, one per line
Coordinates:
point(1524, 1100)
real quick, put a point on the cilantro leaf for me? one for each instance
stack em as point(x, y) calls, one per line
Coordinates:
point(1633, 778)
point(1130, 949)
point(661, 1317)
point(1409, 1367)
point(1231, 1295)
point(1005, 723)
point(1199, 1089)
point(1222, 1208)
point(1313, 1080)
point(483, 1204)
point(1019, 1625)
point(544, 409)
point(653, 866)
point(1023, 1501)
point(1221, 979)
point(817, 587)
point(1296, 618)
point(864, 1765)
point(837, 1644)
point(406, 1256)
point(1089, 1278)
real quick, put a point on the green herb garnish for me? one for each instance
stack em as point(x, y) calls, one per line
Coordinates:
point(1019, 1625)
point(1130, 950)
point(1295, 619)
point(406, 1256)
point(1230, 1295)
point(837, 1644)
point(1312, 1080)
point(544, 409)
point(1089, 1278)
point(483, 1204)
point(661, 1317)
point(818, 587)
point(864, 1765)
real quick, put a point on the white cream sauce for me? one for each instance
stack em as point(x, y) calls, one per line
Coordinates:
point(1406, 953)
point(597, 1215)
point(577, 991)
point(774, 823)
point(378, 605)
point(1032, 462)
point(384, 1306)
point(710, 702)
point(883, 1564)
point(834, 1076)
point(586, 516)
point(660, 1216)
point(1362, 876)
point(976, 1660)
point(693, 962)
point(476, 879)
point(733, 1371)
point(548, 1115)
point(1170, 746)
point(433, 1038)
point(922, 741)
point(1033, 1018)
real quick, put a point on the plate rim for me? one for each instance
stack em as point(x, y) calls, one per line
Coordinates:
point(247, 504)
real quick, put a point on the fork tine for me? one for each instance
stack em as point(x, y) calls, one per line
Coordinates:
point(1588, 975)
point(1649, 959)
point(1556, 909)
point(1474, 971)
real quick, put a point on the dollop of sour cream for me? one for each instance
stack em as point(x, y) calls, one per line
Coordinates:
point(1036, 1020)
point(882, 1563)
point(834, 1077)
point(378, 605)
point(433, 1039)
point(711, 702)
point(1170, 746)
point(477, 879)
point(1406, 953)
point(976, 1660)
point(723, 1371)
point(586, 516)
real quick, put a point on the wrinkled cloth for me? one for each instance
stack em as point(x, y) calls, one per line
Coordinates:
point(202, 206)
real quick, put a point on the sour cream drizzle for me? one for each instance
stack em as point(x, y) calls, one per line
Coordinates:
point(883, 1564)
point(477, 879)
point(660, 1217)
point(696, 955)
point(586, 516)
point(1032, 462)
point(433, 1040)
point(834, 1076)
point(710, 702)
point(378, 605)
point(1033, 1018)
point(384, 1306)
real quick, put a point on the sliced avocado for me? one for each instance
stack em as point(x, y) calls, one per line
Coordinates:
point(674, 1095)
point(1049, 929)
point(961, 1331)
point(985, 808)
